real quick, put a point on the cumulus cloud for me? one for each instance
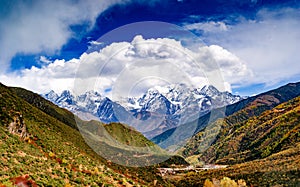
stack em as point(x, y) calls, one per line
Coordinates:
point(133, 67)
point(30, 27)
point(268, 45)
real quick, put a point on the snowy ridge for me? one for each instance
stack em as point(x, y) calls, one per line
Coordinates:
point(161, 108)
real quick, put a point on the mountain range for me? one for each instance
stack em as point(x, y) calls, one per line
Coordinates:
point(161, 108)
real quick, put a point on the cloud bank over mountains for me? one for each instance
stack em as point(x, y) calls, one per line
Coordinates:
point(144, 60)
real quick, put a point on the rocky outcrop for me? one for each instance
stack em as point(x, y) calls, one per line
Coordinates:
point(18, 127)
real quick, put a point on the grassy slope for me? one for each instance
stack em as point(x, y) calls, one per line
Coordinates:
point(127, 135)
point(55, 150)
point(46, 106)
point(273, 131)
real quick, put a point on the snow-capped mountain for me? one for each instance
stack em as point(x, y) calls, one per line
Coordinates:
point(90, 105)
point(177, 98)
point(156, 111)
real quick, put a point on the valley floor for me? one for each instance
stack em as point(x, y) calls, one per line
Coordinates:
point(281, 169)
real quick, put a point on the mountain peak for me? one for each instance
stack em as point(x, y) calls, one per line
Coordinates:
point(209, 89)
point(52, 96)
point(66, 93)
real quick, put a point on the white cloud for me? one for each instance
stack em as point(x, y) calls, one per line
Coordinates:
point(133, 67)
point(43, 26)
point(233, 69)
point(45, 60)
point(268, 45)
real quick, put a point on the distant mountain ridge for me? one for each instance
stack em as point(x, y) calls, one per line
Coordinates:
point(161, 108)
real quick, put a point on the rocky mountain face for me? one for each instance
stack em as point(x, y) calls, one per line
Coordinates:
point(161, 108)
point(18, 127)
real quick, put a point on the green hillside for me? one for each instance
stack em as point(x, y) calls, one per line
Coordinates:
point(127, 135)
point(40, 144)
point(46, 106)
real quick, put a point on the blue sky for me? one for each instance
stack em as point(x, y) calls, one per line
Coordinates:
point(259, 38)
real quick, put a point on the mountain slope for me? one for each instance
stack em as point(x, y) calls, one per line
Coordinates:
point(46, 106)
point(40, 147)
point(127, 135)
point(273, 131)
